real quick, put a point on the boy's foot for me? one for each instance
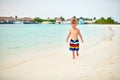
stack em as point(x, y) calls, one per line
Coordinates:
point(77, 54)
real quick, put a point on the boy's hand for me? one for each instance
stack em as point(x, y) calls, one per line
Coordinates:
point(82, 41)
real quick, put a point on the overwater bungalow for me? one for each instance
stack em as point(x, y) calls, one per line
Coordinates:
point(27, 20)
point(7, 20)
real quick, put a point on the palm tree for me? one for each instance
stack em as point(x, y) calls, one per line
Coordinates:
point(94, 18)
point(62, 18)
point(55, 18)
point(74, 17)
point(110, 20)
point(16, 18)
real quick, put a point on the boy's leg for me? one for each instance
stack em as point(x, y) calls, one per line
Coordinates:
point(73, 55)
point(77, 53)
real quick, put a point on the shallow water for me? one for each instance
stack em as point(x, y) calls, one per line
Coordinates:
point(21, 42)
point(20, 36)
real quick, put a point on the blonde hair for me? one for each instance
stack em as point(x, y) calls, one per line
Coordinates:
point(74, 21)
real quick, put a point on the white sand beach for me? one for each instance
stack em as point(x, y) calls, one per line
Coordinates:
point(101, 62)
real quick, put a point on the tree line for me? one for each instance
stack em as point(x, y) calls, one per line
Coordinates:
point(102, 20)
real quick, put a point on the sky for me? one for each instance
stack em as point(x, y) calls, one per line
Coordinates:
point(64, 8)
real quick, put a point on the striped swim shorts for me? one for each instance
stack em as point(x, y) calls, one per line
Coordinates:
point(74, 45)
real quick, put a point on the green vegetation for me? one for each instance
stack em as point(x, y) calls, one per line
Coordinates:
point(48, 20)
point(39, 20)
point(102, 20)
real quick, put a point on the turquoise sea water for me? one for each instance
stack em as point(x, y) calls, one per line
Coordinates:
point(19, 36)
point(19, 42)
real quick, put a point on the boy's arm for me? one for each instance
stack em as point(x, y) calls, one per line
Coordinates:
point(80, 35)
point(69, 33)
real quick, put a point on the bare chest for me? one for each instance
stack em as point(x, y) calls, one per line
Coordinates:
point(74, 31)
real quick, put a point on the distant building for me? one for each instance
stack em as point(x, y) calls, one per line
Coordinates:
point(7, 20)
point(86, 21)
point(58, 20)
point(89, 22)
point(81, 21)
point(68, 21)
point(27, 20)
